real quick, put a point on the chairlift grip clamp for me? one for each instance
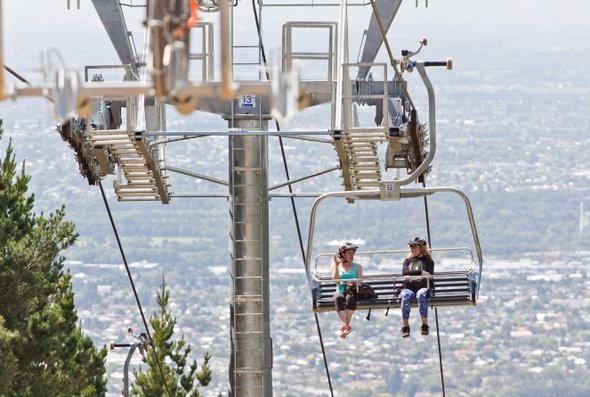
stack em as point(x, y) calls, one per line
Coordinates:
point(390, 190)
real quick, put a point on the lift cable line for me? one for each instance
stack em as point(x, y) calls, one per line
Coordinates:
point(283, 154)
point(290, 187)
point(22, 79)
point(18, 76)
point(147, 328)
point(440, 360)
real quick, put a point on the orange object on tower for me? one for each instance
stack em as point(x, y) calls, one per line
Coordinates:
point(194, 15)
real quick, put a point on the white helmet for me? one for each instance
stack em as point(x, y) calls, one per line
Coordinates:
point(348, 246)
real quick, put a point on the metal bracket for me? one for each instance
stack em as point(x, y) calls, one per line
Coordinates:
point(389, 190)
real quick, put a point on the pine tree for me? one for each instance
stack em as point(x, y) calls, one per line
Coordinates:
point(171, 359)
point(42, 349)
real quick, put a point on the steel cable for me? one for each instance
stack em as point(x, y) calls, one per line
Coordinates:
point(147, 329)
point(440, 361)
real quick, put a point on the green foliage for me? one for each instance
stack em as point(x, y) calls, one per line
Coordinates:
point(42, 349)
point(8, 362)
point(167, 359)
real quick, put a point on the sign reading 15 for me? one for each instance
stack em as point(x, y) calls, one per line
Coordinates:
point(247, 101)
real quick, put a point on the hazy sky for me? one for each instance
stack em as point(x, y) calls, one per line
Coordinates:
point(452, 26)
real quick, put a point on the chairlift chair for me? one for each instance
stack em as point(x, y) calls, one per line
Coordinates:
point(453, 287)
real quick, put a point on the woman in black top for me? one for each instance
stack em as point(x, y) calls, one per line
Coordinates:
point(419, 266)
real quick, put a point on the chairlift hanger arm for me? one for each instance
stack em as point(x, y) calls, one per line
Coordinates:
point(423, 167)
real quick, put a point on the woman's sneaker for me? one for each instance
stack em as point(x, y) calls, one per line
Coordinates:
point(345, 331)
point(424, 329)
point(405, 331)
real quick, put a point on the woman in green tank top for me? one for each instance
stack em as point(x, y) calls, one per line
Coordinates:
point(344, 268)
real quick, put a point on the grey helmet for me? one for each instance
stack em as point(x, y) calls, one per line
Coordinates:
point(417, 241)
point(348, 246)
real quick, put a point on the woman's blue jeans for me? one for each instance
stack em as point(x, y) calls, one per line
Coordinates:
point(421, 296)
